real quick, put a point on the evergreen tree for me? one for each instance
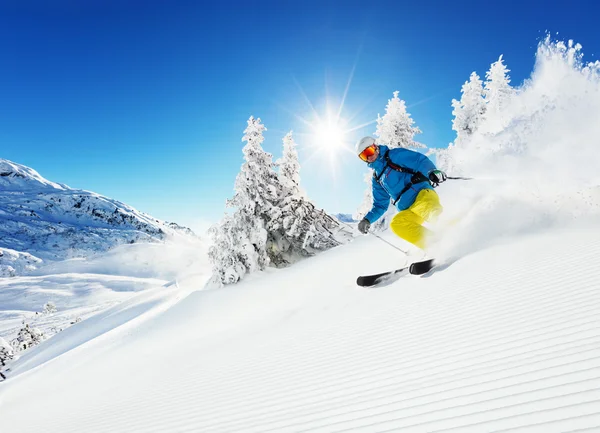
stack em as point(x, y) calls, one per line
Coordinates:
point(49, 308)
point(303, 230)
point(27, 337)
point(497, 93)
point(273, 222)
point(6, 355)
point(231, 254)
point(468, 112)
point(289, 167)
point(240, 242)
point(395, 128)
point(298, 229)
point(6, 352)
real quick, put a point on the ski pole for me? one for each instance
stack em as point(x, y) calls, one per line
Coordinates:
point(459, 178)
point(389, 243)
point(378, 237)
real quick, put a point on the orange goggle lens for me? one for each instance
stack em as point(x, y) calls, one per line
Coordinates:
point(368, 152)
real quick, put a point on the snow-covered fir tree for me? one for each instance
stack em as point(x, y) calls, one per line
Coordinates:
point(497, 93)
point(242, 240)
point(302, 230)
point(49, 308)
point(497, 90)
point(299, 229)
point(469, 111)
point(27, 337)
point(273, 223)
point(396, 128)
point(232, 254)
point(6, 352)
point(289, 167)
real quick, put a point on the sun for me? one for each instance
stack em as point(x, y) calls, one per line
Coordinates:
point(329, 135)
point(329, 128)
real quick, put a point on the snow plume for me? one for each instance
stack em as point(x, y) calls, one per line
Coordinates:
point(539, 169)
point(176, 258)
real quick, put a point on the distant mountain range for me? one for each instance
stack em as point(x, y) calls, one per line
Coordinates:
point(345, 217)
point(42, 221)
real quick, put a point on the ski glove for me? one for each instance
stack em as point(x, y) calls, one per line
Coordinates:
point(436, 177)
point(364, 225)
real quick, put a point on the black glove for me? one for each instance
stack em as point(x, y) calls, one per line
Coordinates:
point(364, 225)
point(436, 177)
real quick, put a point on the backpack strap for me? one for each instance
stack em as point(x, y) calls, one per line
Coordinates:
point(416, 176)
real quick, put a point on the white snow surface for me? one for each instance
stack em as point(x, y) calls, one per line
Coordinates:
point(503, 339)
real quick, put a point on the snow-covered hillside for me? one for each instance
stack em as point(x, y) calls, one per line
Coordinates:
point(79, 288)
point(51, 221)
point(505, 339)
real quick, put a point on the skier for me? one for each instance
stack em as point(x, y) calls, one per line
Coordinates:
point(407, 178)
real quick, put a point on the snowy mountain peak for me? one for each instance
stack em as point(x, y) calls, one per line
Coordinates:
point(17, 176)
point(51, 221)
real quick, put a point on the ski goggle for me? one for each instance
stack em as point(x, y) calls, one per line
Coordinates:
point(368, 152)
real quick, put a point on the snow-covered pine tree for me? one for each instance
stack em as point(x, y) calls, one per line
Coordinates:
point(396, 127)
point(289, 167)
point(497, 93)
point(27, 337)
point(6, 355)
point(274, 223)
point(231, 254)
point(303, 230)
point(299, 229)
point(256, 190)
point(6, 352)
point(468, 112)
point(49, 308)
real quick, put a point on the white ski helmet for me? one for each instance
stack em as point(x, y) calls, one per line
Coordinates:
point(363, 143)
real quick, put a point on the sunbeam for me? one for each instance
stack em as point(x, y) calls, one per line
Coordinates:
point(303, 93)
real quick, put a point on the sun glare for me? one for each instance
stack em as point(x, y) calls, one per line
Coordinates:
point(330, 135)
point(329, 132)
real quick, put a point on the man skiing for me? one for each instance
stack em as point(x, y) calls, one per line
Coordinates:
point(407, 178)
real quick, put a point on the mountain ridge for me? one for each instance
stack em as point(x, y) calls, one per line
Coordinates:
point(52, 221)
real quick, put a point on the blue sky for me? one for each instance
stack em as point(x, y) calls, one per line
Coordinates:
point(146, 101)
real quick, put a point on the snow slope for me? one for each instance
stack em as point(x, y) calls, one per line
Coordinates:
point(504, 339)
point(80, 288)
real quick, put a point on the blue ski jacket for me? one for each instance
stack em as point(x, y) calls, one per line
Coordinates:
point(392, 182)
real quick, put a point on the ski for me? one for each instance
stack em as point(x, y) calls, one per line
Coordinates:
point(416, 268)
point(422, 267)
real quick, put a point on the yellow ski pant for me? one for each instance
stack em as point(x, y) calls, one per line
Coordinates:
point(408, 223)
